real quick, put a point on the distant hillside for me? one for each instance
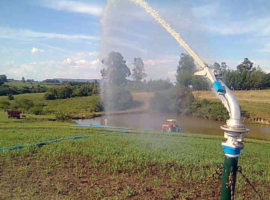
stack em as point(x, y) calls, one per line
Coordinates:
point(66, 80)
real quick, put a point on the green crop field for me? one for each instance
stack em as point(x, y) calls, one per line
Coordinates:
point(111, 164)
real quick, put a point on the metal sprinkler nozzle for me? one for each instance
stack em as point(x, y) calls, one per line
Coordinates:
point(234, 131)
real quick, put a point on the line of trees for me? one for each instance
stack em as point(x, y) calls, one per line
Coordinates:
point(72, 90)
point(6, 89)
point(246, 77)
point(13, 90)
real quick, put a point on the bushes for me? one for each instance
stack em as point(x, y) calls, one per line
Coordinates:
point(209, 110)
point(61, 116)
point(5, 90)
point(68, 91)
point(63, 92)
point(37, 110)
point(12, 90)
point(23, 104)
point(51, 94)
point(10, 97)
point(96, 104)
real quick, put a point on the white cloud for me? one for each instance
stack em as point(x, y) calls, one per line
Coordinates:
point(67, 61)
point(95, 62)
point(51, 69)
point(74, 6)
point(81, 64)
point(35, 50)
point(20, 34)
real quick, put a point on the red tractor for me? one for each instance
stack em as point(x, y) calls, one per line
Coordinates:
point(14, 114)
point(170, 126)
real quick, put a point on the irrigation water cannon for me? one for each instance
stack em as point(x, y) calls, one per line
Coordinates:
point(234, 128)
point(234, 132)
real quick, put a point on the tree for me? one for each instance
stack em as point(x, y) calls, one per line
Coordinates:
point(23, 79)
point(116, 70)
point(266, 81)
point(185, 74)
point(199, 83)
point(84, 90)
point(64, 92)
point(185, 70)
point(3, 79)
point(223, 67)
point(138, 70)
point(10, 97)
point(246, 80)
point(186, 63)
point(246, 65)
point(24, 104)
point(216, 66)
point(51, 94)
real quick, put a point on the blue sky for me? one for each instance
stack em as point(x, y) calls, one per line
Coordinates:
point(61, 38)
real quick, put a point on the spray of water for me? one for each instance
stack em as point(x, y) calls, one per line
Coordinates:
point(111, 20)
point(166, 26)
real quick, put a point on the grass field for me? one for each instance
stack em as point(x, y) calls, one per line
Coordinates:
point(80, 107)
point(114, 165)
point(255, 102)
point(76, 107)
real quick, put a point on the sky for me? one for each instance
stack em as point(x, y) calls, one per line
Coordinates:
point(42, 39)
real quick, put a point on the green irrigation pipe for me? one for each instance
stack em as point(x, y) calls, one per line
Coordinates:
point(40, 144)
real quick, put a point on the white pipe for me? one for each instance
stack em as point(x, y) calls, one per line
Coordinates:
point(234, 109)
